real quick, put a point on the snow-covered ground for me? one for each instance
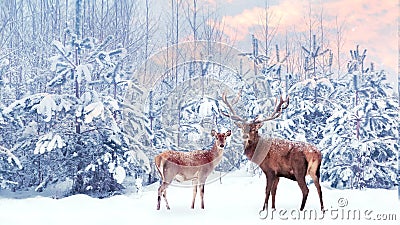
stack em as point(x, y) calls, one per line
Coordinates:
point(236, 201)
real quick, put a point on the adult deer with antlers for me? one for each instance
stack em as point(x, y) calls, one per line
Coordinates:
point(194, 165)
point(278, 157)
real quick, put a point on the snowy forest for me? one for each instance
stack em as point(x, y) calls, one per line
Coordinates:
point(91, 91)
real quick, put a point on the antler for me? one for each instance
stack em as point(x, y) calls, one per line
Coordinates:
point(277, 111)
point(234, 116)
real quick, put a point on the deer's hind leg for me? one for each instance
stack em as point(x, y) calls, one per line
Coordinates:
point(168, 176)
point(300, 174)
point(314, 172)
point(162, 191)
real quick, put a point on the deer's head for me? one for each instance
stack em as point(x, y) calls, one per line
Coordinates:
point(220, 138)
point(250, 128)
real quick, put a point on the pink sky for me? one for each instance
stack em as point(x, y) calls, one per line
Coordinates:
point(370, 23)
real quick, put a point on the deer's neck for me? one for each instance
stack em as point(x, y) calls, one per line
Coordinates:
point(216, 150)
point(251, 146)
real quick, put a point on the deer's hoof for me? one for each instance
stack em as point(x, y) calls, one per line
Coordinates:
point(263, 214)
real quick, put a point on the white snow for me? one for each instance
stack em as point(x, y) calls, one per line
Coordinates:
point(93, 110)
point(4, 62)
point(119, 174)
point(207, 107)
point(30, 130)
point(59, 46)
point(11, 157)
point(48, 142)
point(83, 73)
point(236, 201)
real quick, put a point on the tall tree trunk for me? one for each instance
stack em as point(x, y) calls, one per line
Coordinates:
point(78, 27)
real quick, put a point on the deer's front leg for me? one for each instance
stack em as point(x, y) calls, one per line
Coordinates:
point(270, 180)
point(202, 195)
point(273, 191)
point(194, 183)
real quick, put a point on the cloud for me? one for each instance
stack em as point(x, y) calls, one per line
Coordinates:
point(369, 23)
point(285, 14)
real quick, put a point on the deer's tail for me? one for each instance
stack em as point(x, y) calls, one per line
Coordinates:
point(159, 166)
point(314, 163)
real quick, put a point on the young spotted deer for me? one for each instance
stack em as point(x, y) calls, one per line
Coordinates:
point(194, 165)
point(278, 157)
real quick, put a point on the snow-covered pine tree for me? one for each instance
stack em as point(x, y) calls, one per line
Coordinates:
point(359, 144)
point(99, 111)
point(377, 113)
point(74, 135)
point(10, 164)
point(310, 106)
point(29, 123)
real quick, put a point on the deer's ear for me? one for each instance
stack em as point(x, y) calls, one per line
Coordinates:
point(213, 133)
point(228, 133)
